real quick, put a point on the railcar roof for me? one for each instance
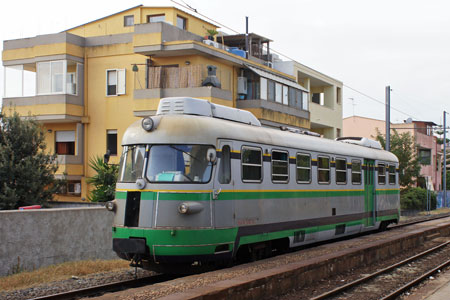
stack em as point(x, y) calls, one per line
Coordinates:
point(190, 129)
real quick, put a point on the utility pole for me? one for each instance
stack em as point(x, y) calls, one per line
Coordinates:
point(388, 118)
point(445, 162)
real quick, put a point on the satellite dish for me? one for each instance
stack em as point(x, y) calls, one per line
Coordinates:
point(408, 121)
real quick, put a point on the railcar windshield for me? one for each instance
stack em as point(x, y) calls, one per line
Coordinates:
point(131, 163)
point(179, 163)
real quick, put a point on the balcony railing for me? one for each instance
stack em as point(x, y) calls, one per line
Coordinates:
point(169, 77)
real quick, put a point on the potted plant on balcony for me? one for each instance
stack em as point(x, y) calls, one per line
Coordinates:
point(211, 34)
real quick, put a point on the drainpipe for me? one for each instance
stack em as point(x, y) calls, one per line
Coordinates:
point(247, 48)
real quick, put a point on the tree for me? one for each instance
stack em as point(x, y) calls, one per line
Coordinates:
point(26, 171)
point(404, 147)
point(104, 181)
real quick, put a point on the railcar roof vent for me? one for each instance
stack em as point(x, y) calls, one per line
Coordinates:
point(200, 107)
point(299, 131)
point(362, 141)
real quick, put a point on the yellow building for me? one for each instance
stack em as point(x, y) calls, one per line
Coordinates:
point(89, 83)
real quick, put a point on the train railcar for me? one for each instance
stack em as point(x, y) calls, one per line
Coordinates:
point(202, 184)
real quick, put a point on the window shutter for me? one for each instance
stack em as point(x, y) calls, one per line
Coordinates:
point(65, 136)
point(121, 82)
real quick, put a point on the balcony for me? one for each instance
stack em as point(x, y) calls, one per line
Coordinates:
point(50, 91)
point(155, 82)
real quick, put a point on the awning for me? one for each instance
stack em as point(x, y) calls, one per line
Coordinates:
point(277, 78)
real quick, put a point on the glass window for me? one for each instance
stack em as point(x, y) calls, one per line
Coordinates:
point(65, 142)
point(278, 92)
point(356, 172)
point(303, 168)
point(251, 161)
point(13, 81)
point(44, 78)
point(156, 18)
point(181, 22)
point(179, 163)
point(323, 168)
point(271, 90)
point(115, 82)
point(225, 165)
point(381, 174)
point(263, 88)
point(131, 163)
point(57, 71)
point(285, 95)
point(425, 156)
point(111, 141)
point(305, 101)
point(341, 171)
point(392, 177)
point(128, 20)
point(280, 166)
point(298, 102)
point(292, 97)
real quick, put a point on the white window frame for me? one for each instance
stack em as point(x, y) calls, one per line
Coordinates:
point(278, 93)
point(280, 161)
point(64, 77)
point(390, 174)
point(121, 82)
point(285, 92)
point(381, 174)
point(263, 88)
point(250, 148)
point(303, 168)
point(341, 171)
point(357, 172)
point(324, 169)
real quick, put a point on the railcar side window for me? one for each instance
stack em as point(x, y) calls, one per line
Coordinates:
point(323, 167)
point(303, 168)
point(341, 171)
point(225, 166)
point(381, 174)
point(280, 166)
point(251, 161)
point(392, 177)
point(356, 172)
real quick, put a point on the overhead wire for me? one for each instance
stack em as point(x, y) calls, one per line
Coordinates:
point(187, 6)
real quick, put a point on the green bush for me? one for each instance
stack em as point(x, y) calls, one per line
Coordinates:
point(104, 181)
point(415, 198)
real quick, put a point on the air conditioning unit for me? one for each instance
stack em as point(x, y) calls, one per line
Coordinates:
point(209, 42)
point(242, 85)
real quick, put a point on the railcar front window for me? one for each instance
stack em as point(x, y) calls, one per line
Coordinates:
point(179, 163)
point(131, 163)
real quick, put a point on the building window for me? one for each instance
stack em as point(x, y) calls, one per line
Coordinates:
point(263, 86)
point(271, 90)
point(156, 18)
point(341, 171)
point(65, 142)
point(318, 98)
point(323, 168)
point(251, 164)
point(225, 165)
point(20, 81)
point(381, 174)
point(356, 172)
point(392, 177)
point(303, 168)
point(72, 188)
point(111, 141)
point(285, 95)
point(338, 95)
point(115, 82)
point(128, 20)
point(305, 101)
point(278, 93)
point(338, 132)
point(181, 22)
point(57, 77)
point(280, 166)
point(425, 156)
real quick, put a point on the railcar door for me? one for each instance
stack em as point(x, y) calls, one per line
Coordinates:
point(369, 192)
point(223, 192)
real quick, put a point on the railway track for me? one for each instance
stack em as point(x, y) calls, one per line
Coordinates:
point(108, 288)
point(368, 286)
point(149, 280)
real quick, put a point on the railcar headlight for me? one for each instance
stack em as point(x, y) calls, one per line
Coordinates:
point(147, 123)
point(183, 208)
point(110, 205)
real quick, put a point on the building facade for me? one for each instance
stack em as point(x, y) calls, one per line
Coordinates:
point(428, 150)
point(87, 84)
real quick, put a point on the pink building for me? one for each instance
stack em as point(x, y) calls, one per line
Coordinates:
point(427, 148)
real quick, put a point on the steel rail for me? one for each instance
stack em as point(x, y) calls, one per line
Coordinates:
point(352, 284)
point(416, 281)
point(109, 287)
point(420, 221)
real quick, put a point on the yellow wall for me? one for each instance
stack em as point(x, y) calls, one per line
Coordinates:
point(43, 50)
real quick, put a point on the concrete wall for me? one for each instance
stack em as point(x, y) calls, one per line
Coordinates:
point(50, 236)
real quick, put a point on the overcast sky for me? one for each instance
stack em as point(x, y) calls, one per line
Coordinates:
point(365, 44)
